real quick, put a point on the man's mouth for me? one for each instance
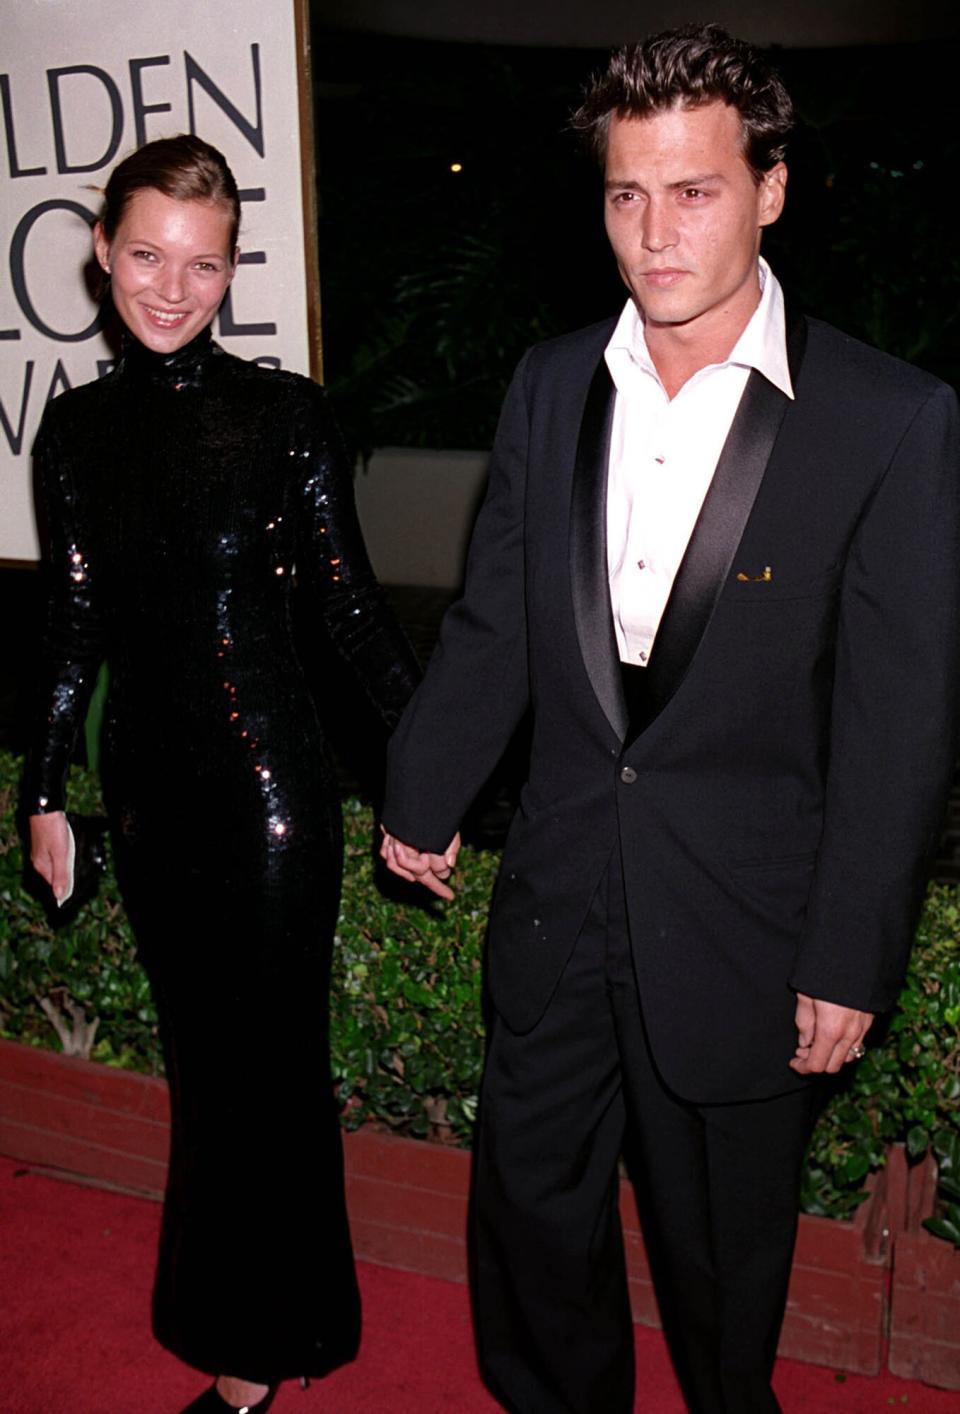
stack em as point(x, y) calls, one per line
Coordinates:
point(662, 279)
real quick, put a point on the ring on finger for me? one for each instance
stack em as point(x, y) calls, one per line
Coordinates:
point(857, 1051)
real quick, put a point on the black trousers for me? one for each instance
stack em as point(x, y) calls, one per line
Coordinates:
point(718, 1187)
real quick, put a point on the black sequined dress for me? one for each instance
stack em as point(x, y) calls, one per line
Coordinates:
point(202, 533)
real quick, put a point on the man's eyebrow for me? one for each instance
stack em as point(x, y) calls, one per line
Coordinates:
point(704, 180)
point(628, 184)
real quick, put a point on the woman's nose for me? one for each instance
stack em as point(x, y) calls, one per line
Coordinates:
point(171, 284)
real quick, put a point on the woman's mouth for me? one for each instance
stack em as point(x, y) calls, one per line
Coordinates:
point(165, 318)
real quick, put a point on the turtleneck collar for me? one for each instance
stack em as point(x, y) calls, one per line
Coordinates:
point(184, 368)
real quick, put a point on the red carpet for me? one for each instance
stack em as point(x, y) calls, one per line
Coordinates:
point(74, 1333)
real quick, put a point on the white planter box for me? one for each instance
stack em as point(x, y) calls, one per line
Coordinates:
point(417, 509)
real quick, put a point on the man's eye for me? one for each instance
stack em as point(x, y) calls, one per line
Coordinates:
point(691, 193)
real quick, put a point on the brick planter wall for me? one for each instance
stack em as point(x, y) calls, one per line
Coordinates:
point(408, 1203)
point(837, 1301)
point(408, 1199)
point(925, 1302)
point(93, 1120)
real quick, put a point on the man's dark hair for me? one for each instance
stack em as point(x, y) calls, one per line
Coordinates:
point(686, 68)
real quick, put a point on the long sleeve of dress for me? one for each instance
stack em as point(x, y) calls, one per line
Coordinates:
point(334, 571)
point(73, 646)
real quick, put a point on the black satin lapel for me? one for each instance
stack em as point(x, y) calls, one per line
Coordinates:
point(588, 551)
point(720, 526)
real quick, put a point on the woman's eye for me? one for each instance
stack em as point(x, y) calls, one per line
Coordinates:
point(143, 255)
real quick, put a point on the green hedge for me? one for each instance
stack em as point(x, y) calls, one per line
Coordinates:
point(406, 1029)
point(406, 1033)
point(60, 985)
point(906, 1089)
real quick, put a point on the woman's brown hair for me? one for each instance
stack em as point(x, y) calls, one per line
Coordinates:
point(183, 167)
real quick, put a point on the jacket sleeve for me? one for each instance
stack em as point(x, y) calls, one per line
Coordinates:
point(334, 574)
point(476, 689)
point(894, 720)
point(74, 642)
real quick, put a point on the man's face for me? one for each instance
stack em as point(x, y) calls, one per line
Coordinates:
point(684, 214)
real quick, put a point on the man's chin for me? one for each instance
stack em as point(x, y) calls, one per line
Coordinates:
point(665, 314)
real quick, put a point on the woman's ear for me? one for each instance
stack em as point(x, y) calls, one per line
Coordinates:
point(101, 248)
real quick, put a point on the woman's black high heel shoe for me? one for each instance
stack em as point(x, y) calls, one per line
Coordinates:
point(213, 1402)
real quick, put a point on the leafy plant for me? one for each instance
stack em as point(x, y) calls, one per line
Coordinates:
point(406, 1027)
point(406, 1013)
point(907, 1086)
point(946, 1223)
point(83, 981)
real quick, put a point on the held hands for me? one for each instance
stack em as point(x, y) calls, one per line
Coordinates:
point(827, 1035)
point(50, 850)
point(420, 867)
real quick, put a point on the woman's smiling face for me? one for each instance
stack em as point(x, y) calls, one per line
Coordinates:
point(170, 263)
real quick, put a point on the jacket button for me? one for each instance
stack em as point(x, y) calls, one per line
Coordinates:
point(628, 775)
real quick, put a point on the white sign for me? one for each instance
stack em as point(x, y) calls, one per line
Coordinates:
point(82, 84)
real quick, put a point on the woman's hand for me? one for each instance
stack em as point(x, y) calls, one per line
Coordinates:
point(50, 850)
point(419, 866)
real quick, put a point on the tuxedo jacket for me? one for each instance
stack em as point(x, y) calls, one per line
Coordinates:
point(776, 813)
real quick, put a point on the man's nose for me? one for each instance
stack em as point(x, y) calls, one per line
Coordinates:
point(659, 227)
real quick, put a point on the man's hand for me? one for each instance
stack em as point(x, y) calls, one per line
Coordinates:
point(50, 850)
point(827, 1035)
point(418, 866)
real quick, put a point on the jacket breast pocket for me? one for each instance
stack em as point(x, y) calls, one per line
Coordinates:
point(778, 588)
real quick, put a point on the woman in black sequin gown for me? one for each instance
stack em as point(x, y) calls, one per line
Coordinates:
point(203, 532)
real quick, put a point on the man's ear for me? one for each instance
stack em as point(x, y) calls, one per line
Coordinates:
point(771, 194)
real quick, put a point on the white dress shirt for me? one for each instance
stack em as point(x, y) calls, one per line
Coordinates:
point(663, 453)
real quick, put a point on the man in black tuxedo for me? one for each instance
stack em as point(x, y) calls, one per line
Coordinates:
point(718, 565)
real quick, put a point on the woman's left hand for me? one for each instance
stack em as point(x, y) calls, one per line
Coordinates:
point(420, 866)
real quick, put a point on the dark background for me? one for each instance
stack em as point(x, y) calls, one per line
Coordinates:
point(433, 283)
